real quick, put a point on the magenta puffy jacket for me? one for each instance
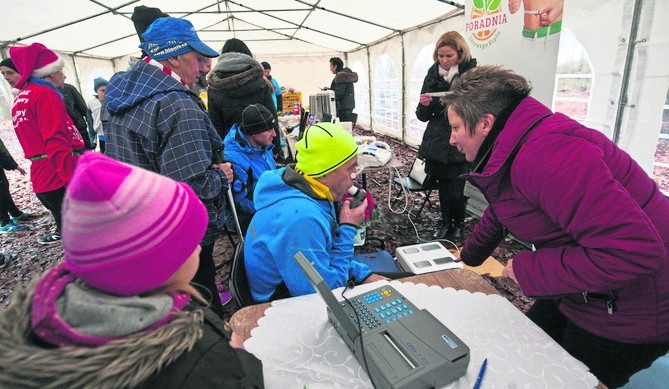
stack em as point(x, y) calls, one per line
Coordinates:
point(598, 221)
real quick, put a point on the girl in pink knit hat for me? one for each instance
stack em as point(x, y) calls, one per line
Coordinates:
point(119, 310)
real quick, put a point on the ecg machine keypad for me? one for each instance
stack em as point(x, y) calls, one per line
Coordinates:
point(379, 307)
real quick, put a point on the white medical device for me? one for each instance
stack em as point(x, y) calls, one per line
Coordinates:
point(426, 258)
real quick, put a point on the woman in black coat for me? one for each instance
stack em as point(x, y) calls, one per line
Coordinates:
point(443, 161)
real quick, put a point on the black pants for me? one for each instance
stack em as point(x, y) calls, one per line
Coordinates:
point(205, 279)
point(53, 201)
point(612, 362)
point(7, 206)
point(452, 200)
point(346, 115)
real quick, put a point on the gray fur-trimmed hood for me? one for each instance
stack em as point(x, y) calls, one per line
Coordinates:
point(234, 71)
point(123, 363)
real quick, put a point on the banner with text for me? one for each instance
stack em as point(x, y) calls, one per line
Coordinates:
point(523, 35)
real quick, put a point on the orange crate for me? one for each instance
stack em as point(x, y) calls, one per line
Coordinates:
point(289, 99)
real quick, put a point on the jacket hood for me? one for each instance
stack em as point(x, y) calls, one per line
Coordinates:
point(234, 71)
point(346, 76)
point(24, 362)
point(129, 89)
point(276, 185)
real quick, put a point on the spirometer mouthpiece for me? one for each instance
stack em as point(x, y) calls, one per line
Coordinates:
point(358, 194)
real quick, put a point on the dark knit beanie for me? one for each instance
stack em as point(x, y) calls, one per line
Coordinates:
point(256, 119)
point(265, 65)
point(143, 16)
point(7, 62)
point(99, 82)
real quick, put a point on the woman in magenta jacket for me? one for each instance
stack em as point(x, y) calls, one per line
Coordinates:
point(599, 224)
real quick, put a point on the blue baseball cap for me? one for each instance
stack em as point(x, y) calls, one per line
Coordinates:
point(168, 37)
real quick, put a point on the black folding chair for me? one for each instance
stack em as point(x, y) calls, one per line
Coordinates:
point(417, 181)
point(239, 283)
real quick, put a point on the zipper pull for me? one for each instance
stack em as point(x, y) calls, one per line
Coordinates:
point(585, 296)
point(609, 306)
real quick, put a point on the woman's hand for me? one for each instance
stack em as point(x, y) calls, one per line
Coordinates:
point(551, 14)
point(514, 6)
point(236, 341)
point(508, 271)
point(425, 99)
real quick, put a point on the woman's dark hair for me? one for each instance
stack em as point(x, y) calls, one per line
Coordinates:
point(338, 63)
point(485, 90)
point(234, 45)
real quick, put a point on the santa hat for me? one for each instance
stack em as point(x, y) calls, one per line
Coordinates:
point(34, 60)
point(130, 231)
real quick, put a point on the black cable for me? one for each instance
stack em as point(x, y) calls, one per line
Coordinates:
point(362, 342)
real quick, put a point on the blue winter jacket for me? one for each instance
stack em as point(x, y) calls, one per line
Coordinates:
point(248, 163)
point(290, 218)
point(154, 122)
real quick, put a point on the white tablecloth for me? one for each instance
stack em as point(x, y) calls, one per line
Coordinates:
point(298, 346)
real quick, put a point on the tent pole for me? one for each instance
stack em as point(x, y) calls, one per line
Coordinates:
point(453, 3)
point(404, 100)
point(110, 10)
point(629, 57)
point(76, 73)
point(369, 88)
point(315, 6)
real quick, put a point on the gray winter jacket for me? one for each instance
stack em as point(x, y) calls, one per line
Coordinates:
point(236, 82)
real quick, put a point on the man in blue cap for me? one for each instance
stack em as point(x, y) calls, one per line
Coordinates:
point(154, 121)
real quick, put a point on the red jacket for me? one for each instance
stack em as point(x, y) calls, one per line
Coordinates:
point(47, 136)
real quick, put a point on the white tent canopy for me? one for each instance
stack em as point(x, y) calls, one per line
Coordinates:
point(622, 45)
point(103, 28)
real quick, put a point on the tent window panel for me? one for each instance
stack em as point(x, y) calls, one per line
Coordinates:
point(387, 94)
point(418, 72)
point(661, 162)
point(573, 78)
point(361, 92)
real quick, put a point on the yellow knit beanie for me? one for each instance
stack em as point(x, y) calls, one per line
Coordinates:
point(325, 147)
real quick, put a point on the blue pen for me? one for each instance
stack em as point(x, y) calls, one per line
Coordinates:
point(477, 385)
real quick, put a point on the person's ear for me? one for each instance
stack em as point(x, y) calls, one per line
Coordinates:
point(488, 121)
point(173, 62)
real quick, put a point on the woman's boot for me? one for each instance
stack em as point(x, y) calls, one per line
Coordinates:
point(458, 209)
point(442, 231)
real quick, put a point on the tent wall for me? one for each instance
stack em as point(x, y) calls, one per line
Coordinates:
point(602, 27)
point(649, 82)
point(630, 79)
point(305, 74)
